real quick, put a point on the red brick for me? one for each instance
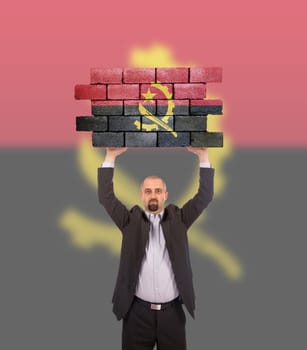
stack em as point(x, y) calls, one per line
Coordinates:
point(190, 91)
point(123, 91)
point(157, 93)
point(106, 75)
point(107, 103)
point(173, 75)
point(206, 75)
point(139, 75)
point(90, 92)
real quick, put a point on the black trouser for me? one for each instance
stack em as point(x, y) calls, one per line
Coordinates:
point(144, 327)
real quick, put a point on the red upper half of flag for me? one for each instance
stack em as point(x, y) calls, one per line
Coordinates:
point(44, 55)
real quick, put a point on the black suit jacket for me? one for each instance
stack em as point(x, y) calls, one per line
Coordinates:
point(135, 229)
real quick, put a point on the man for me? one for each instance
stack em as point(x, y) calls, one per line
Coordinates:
point(155, 276)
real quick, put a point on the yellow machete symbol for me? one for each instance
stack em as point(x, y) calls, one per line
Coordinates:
point(156, 121)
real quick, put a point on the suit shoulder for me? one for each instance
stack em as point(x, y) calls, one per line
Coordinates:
point(172, 208)
point(135, 209)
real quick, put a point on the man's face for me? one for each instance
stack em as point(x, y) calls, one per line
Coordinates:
point(153, 194)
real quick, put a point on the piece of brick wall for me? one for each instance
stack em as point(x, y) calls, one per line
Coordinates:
point(150, 107)
point(139, 75)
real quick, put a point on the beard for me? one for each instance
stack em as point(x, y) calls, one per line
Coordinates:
point(153, 205)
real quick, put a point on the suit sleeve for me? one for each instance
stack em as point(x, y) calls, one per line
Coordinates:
point(194, 207)
point(114, 207)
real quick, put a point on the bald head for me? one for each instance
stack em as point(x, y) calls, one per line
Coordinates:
point(153, 177)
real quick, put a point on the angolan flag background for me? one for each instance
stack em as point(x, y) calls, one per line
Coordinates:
point(59, 250)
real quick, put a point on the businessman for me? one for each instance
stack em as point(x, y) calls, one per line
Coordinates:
point(155, 276)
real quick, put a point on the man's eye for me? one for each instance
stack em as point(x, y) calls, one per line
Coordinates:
point(158, 190)
point(147, 191)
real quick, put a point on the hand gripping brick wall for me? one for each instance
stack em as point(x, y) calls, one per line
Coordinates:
point(150, 107)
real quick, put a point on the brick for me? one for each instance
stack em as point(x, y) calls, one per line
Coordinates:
point(189, 91)
point(207, 139)
point(190, 123)
point(106, 75)
point(91, 123)
point(123, 91)
point(156, 91)
point(139, 75)
point(90, 92)
point(131, 107)
point(147, 124)
point(173, 75)
point(108, 139)
point(179, 107)
point(141, 139)
point(123, 123)
point(206, 75)
point(107, 107)
point(166, 139)
point(204, 107)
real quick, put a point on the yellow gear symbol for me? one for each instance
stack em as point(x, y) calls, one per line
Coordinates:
point(156, 122)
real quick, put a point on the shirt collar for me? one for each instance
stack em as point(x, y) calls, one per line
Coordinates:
point(159, 214)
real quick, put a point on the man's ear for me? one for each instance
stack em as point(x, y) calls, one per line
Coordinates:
point(166, 195)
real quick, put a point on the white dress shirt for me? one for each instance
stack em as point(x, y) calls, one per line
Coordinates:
point(156, 282)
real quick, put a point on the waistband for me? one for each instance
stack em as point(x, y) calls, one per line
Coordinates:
point(157, 306)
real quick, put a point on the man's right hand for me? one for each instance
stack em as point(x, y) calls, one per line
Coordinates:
point(113, 152)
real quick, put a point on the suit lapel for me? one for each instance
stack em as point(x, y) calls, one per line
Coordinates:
point(144, 235)
point(166, 227)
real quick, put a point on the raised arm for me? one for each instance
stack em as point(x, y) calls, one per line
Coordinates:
point(194, 207)
point(115, 208)
point(113, 152)
point(201, 152)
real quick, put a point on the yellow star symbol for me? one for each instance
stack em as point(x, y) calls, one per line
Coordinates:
point(148, 95)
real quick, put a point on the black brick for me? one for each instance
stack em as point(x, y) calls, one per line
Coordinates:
point(178, 110)
point(108, 139)
point(168, 140)
point(146, 121)
point(207, 139)
point(91, 123)
point(204, 110)
point(123, 123)
point(190, 123)
point(141, 139)
point(134, 110)
point(107, 110)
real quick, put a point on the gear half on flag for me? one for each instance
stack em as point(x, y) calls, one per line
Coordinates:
point(150, 107)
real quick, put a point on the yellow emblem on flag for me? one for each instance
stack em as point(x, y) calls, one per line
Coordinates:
point(156, 122)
